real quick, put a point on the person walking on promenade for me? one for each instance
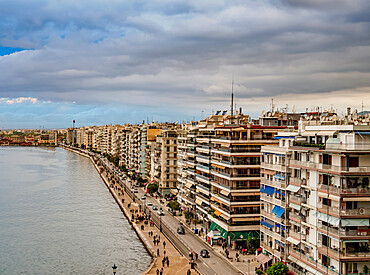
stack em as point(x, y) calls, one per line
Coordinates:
point(163, 261)
point(187, 273)
point(161, 272)
point(157, 252)
point(164, 244)
point(168, 262)
point(158, 241)
point(157, 271)
point(190, 256)
point(227, 253)
point(164, 252)
point(196, 256)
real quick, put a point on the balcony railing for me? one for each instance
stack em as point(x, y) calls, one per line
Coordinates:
point(297, 217)
point(274, 183)
point(359, 169)
point(272, 200)
point(270, 216)
point(273, 234)
point(341, 232)
point(362, 211)
point(295, 199)
point(297, 235)
point(279, 167)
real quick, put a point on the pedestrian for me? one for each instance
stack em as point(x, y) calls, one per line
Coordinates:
point(158, 241)
point(196, 256)
point(187, 273)
point(161, 272)
point(168, 262)
point(157, 252)
point(164, 244)
point(190, 255)
point(164, 252)
point(159, 238)
point(163, 261)
point(227, 253)
point(157, 271)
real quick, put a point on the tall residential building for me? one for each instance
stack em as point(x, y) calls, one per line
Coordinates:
point(329, 200)
point(164, 160)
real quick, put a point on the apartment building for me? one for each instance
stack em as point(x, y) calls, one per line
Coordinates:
point(235, 182)
point(329, 200)
point(164, 161)
point(274, 181)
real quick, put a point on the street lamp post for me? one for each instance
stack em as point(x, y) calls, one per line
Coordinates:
point(114, 267)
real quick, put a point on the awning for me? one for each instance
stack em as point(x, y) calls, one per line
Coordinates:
point(327, 218)
point(267, 224)
point(262, 258)
point(282, 227)
point(224, 192)
point(217, 213)
point(269, 190)
point(357, 199)
point(355, 241)
point(363, 133)
point(293, 241)
point(355, 222)
point(215, 226)
point(189, 185)
point(243, 235)
point(326, 133)
point(278, 211)
point(309, 133)
point(269, 172)
point(293, 188)
point(295, 206)
point(218, 166)
point(279, 192)
point(198, 201)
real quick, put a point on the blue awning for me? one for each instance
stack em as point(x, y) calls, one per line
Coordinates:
point(262, 190)
point(267, 224)
point(273, 211)
point(280, 211)
point(363, 133)
point(279, 176)
point(282, 227)
point(280, 137)
point(269, 190)
point(277, 191)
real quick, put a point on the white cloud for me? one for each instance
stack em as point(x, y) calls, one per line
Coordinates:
point(18, 100)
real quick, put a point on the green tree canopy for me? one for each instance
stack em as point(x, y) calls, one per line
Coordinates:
point(153, 187)
point(277, 269)
point(174, 205)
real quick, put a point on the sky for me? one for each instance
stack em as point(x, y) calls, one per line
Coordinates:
point(114, 62)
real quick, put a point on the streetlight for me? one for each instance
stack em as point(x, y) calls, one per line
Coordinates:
point(114, 267)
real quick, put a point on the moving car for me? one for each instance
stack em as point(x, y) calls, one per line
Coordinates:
point(160, 212)
point(180, 230)
point(204, 253)
point(149, 203)
point(143, 197)
point(155, 207)
point(135, 191)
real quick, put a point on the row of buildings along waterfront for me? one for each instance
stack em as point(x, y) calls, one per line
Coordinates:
point(300, 182)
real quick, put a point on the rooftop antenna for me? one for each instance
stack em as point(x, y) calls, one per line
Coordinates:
point(362, 106)
point(232, 96)
point(272, 105)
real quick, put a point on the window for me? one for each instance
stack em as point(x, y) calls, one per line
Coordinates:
point(352, 161)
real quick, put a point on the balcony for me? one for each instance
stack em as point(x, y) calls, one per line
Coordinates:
point(277, 167)
point(295, 199)
point(333, 168)
point(278, 184)
point(271, 216)
point(296, 217)
point(272, 200)
point(297, 235)
point(362, 211)
point(202, 167)
point(235, 176)
point(272, 234)
point(341, 232)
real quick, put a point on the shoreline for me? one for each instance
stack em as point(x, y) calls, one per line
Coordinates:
point(134, 226)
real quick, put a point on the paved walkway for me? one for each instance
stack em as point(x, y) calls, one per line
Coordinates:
point(178, 265)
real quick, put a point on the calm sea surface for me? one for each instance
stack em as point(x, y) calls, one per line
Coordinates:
point(57, 217)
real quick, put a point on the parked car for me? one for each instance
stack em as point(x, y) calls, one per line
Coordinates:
point(155, 207)
point(180, 230)
point(143, 197)
point(149, 203)
point(160, 212)
point(135, 191)
point(204, 253)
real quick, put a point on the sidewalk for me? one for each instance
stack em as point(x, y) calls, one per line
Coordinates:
point(243, 265)
point(177, 264)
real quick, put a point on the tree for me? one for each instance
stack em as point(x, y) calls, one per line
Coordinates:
point(174, 205)
point(277, 269)
point(153, 187)
point(188, 214)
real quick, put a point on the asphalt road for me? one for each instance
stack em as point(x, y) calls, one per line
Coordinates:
point(213, 265)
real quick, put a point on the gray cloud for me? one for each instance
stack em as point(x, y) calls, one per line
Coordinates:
point(183, 53)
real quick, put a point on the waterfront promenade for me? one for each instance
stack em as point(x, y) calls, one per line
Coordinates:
point(216, 264)
point(178, 264)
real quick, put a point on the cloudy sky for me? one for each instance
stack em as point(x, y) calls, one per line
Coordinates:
point(114, 61)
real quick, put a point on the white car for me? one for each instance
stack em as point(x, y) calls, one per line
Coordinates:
point(160, 212)
point(149, 203)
